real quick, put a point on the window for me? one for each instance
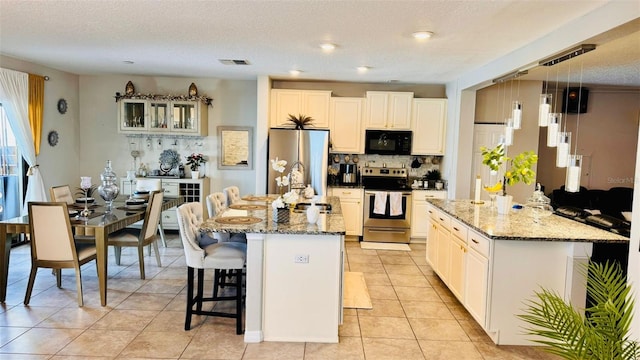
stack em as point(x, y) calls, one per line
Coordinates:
point(10, 171)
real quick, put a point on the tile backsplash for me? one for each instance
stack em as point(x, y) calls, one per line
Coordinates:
point(393, 161)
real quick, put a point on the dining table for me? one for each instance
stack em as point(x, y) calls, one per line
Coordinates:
point(100, 222)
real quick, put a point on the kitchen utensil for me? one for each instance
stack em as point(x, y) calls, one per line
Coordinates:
point(415, 163)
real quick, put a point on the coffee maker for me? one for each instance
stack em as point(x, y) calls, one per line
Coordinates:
point(348, 174)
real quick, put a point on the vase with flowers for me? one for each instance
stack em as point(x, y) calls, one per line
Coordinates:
point(519, 169)
point(194, 161)
point(286, 200)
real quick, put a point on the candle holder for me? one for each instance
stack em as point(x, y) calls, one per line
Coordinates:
point(131, 175)
point(85, 185)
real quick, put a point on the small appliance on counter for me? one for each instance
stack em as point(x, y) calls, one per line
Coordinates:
point(348, 174)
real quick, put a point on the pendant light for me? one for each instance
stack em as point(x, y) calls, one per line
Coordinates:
point(545, 104)
point(562, 149)
point(516, 110)
point(555, 122)
point(574, 165)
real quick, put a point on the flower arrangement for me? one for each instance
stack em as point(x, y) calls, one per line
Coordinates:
point(288, 198)
point(195, 160)
point(519, 170)
point(169, 159)
point(300, 121)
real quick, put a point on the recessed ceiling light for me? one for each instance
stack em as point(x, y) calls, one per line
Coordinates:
point(327, 47)
point(128, 62)
point(422, 35)
point(363, 69)
point(295, 72)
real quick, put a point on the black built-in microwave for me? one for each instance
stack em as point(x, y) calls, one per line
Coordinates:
point(388, 142)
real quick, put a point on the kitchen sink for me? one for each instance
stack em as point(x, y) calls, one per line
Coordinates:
point(323, 207)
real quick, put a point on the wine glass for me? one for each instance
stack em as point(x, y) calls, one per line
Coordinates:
point(85, 184)
point(131, 175)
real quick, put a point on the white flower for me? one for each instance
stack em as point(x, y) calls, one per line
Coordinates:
point(278, 203)
point(278, 165)
point(282, 180)
point(290, 197)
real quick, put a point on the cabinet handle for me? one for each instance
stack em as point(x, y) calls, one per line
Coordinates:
point(441, 219)
point(456, 229)
point(428, 196)
point(347, 192)
point(430, 212)
point(475, 241)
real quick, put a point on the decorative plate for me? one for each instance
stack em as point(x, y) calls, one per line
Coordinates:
point(62, 106)
point(347, 158)
point(336, 158)
point(52, 138)
point(355, 159)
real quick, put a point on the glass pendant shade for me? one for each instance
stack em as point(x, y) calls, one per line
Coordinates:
point(574, 171)
point(516, 114)
point(508, 133)
point(545, 108)
point(562, 150)
point(555, 122)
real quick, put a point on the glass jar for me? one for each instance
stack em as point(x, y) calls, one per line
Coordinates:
point(109, 188)
point(539, 205)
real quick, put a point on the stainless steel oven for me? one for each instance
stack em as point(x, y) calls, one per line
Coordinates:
point(379, 224)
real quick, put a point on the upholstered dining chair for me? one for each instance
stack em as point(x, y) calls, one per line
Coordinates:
point(62, 193)
point(53, 245)
point(232, 193)
point(150, 185)
point(216, 203)
point(130, 237)
point(228, 257)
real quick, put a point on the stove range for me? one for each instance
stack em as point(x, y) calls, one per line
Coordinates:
point(384, 178)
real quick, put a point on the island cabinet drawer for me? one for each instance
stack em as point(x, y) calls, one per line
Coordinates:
point(169, 218)
point(443, 219)
point(459, 229)
point(479, 243)
point(171, 189)
point(347, 193)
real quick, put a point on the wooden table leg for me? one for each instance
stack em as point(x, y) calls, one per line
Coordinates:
point(101, 263)
point(5, 249)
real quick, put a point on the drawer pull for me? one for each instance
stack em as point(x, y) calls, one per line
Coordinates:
point(475, 241)
point(456, 229)
point(347, 192)
point(428, 196)
point(441, 219)
point(430, 212)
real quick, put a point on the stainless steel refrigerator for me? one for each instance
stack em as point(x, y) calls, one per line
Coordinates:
point(306, 150)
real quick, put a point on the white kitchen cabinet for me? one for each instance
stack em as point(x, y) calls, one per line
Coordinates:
point(477, 278)
point(312, 103)
point(432, 238)
point(457, 266)
point(185, 117)
point(444, 254)
point(419, 206)
point(345, 123)
point(388, 110)
point(428, 123)
point(192, 190)
point(351, 202)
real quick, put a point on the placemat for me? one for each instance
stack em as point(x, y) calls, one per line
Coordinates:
point(255, 198)
point(143, 208)
point(238, 220)
point(247, 206)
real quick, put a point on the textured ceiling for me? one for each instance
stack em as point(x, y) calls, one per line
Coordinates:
point(187, 38)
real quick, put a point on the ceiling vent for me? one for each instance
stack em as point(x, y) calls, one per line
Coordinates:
point(234, 62)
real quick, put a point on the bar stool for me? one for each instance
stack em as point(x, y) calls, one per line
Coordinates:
point(227, 256)
point(232, 193)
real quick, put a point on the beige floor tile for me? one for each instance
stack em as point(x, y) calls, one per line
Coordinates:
point(491, 351)
point(385, 327)
point(74, 317)
point(142, 301)
point(350, 326)
point(391, 349)
point(168, 321)
point(26, 316)
point(448, 350)
point(459, 312)
point(349, 348)
point(382, 292)
point(163, 286)
point(363, 259)
point(40, 341)
point(426, 309)
point(274, 350)
point(99, 342)
point(396, 260)
point(474, 331)
point(8, 333)
point(403, 269)
point(134, 320)
point(419, 259)
point(416, 293)
point(350, 312)
point(376, 279)
point(359, 251)
point(383, 308)
point(153, 344)
point(24, 357)
point(367, 268)
point(438, 329)
point(426, 270)
point(215, 344)
point(409, 280)
point(392, 253)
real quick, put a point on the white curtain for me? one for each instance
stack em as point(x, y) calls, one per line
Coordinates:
point(14, 96)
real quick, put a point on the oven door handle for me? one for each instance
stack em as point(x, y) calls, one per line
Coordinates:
point(404, 193)
point(387, 230)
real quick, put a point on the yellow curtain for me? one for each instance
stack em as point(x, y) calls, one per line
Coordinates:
point(36, 107)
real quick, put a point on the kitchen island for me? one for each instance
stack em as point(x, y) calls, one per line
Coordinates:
point(493, 263)
point(294, 271)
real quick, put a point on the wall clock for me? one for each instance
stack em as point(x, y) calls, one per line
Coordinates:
point(62, 106)
point(52, 138)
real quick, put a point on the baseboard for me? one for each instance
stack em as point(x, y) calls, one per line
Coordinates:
point(253, 336)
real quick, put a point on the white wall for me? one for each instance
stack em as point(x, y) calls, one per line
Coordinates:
point(234, 104)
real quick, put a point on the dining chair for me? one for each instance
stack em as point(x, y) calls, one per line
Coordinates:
point(150, 185)
point(216, 203)
point(232, 193)
point(62, 193)
point(139, 238)
point(223, 257)
point(53, 245)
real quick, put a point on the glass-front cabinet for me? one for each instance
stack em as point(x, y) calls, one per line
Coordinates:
point(163, 116)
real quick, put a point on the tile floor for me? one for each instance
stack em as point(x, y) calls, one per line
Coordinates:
point(414, 316)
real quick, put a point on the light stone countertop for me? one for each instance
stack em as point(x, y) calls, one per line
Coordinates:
point(521, 224)
point(327, 224)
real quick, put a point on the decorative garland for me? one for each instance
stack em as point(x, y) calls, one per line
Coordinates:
point(204, 99)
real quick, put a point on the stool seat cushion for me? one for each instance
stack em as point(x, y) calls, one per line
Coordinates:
point(229, 255)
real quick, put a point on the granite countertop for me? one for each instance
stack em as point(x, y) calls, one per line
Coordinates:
point(522, 225)
point(354, 186)
point(327, 224)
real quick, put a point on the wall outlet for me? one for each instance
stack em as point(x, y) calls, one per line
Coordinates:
point(301, 259)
